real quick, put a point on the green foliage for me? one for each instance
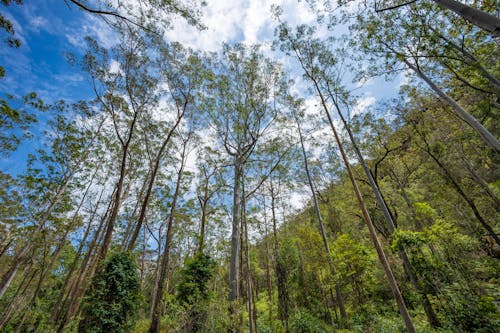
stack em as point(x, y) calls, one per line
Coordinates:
point(111, 304)
point(16, 120)
point(407, 239)
point(192, 290)
point(304, 322)
point(194, 278)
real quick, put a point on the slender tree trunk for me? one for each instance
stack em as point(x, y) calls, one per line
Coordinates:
point(159, 156)
point(269, 282)
point(338, 293)
point(56, 308)
point(390, 221)
point(19, 258)
point(140, 196)
point(156, 313)
point(203, 200)
point(486, 135)
point(5, 247)
point(250, 302)
point(283, 297)
point(55, 255)
point(7, 278)
point(79, 284)
point(234, 267)
point(119, 186)
point(154, 292)
point(20, 292)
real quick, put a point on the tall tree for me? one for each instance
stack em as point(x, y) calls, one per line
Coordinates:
point(300, 46)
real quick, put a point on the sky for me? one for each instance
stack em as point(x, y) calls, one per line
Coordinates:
point(49, 30)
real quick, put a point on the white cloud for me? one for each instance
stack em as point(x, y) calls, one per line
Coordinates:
point(240, 20)
point(95, 27)
point(37, 22)
point(256, 16)
point(222, 20)
point(298, 199)
point(114, 67)
point(363, 104)
point(69, 78)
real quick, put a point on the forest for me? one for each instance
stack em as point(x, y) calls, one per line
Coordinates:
point(251, 187)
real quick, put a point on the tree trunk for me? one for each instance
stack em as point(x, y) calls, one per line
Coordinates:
point(21, 291)
point(250, 302)
point(340, 300)
point(65, 312)
point(283, 296)
point(56, 308)
point(156, 313)
point(234, 267)
point(145, 201)
point(486, 135)
point(475, 16)
point(204, 206)
point(19, 258)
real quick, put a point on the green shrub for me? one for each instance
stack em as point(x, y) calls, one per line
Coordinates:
point(112, 301)
point(304, 322)
point(192, 290)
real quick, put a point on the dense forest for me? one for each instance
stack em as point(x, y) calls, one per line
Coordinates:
point(246, 189)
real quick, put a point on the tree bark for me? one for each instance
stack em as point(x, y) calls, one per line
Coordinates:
point(145, 201)
point(250, 302)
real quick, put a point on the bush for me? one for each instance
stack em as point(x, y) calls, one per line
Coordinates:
point(111, 305)
point(304, 322)
point(192, 290)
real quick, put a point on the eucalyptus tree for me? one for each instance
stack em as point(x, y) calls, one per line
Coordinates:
point(50, 175)
point(339, 297)
point(127, 96)
point(52, 188)
point(331, 76)
point(429, 141)
point(181, 73)
point(309, 52)
point(278, 155)
point(210, 185)
point(162, 280)
point(153, 16)
point(241, 96)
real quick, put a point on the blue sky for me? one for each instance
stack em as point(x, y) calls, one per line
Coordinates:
point(45, 29)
